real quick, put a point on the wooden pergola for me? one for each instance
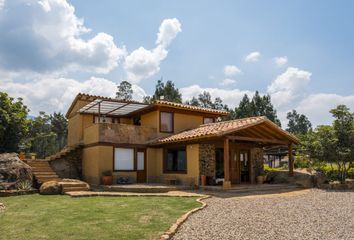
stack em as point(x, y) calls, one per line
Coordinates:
point(265, 133)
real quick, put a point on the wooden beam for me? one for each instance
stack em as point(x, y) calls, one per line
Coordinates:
point(227, 183)
point(264, 140)
point(291, 160)
point(117, 108)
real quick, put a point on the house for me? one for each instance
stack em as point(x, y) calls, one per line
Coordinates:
point(164, 141)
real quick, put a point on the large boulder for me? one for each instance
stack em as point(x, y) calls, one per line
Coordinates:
point(50, 188)
point(301, 178)
point(13, 170)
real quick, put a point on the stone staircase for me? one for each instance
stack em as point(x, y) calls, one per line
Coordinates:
point(73, 187)
point(42, 171)
point(64, 152)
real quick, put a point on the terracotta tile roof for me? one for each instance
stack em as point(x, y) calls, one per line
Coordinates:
point(219, 129)
point(189, 107)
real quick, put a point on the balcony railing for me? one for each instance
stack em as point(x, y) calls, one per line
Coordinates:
point(118, 133)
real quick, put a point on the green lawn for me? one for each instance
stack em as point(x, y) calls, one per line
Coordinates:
point(62, 217)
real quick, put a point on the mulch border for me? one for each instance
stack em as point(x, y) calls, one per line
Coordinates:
point(173, 229)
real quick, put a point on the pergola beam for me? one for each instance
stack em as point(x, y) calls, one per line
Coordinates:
point(264, 140)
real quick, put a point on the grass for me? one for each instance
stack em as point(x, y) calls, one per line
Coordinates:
point(62, 217)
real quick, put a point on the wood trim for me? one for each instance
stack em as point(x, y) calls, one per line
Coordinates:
point(257, 140)
point(173, 122)
point(164, 155)
point(123, 145)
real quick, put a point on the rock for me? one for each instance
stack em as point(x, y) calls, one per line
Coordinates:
point(301, 178)
point(349, 183)
point(68, 180)
point(337, 185)
point(320, 180)
point(13, 170)
point(50, 188)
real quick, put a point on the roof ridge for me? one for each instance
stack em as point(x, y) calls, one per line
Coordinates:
point(176, 104)
point(234, 120)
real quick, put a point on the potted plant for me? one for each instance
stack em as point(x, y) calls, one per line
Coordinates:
point(107, 177)
point(260, 179)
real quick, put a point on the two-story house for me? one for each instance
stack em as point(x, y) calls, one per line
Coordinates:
point(163, 140)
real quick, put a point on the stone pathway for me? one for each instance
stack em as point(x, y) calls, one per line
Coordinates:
point(307, 214)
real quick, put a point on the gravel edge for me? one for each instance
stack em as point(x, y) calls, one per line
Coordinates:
point(173, 229)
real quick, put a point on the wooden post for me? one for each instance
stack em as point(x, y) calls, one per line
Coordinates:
point(291, 160)
point(227, 183)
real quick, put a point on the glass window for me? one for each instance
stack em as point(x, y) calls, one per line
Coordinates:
point(166, 122)
point(140, 161)
point(176, 160)
point(208, 120)
point(123, 159)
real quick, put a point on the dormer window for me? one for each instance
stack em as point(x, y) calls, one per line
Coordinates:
point(166, 122)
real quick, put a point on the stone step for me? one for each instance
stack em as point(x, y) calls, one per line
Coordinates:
point(47, 175)
point(70, 184)
point(41, 173)
point(42, 169)
point(74, 189)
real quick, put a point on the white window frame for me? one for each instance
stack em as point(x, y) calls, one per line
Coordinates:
point(122, 160)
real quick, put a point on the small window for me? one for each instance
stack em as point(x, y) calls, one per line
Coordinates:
point(166, 122)
point(124, 159)
point(104, 119)
point(176, 160)
point(208, 120)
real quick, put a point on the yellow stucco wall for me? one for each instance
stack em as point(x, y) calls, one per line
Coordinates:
point(155, 166)
point(185, 121)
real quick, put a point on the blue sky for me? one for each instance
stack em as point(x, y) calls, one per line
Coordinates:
point(312, 40)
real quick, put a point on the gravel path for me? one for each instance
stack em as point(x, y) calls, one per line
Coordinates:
point(316, 214)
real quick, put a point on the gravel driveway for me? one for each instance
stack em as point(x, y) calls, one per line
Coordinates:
point(316, 214)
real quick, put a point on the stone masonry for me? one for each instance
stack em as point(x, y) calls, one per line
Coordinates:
point(207, 159)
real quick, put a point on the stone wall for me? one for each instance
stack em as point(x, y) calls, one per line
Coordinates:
point(207, 159)
point(69, 166)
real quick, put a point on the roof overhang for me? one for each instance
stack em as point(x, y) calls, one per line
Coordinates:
point(111, 107)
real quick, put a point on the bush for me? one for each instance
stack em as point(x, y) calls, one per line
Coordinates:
point(24, 185)
point(302, 162)
point(268, 169)
point(334, 174)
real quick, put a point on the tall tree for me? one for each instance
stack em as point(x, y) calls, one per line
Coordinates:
point(124, 91)
point(298, 123)
point(258, 106)
point(13, 123)
point(166, 91)
point(204, 100)
point(59, 126)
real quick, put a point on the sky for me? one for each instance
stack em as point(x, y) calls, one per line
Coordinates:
point(299, 52)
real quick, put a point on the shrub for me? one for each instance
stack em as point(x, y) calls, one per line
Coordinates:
point(332, 174)
point(107, 173)
point(268, 169)
point(24, 185)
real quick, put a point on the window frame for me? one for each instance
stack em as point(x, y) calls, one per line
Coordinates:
point(172, 122)
point(165, 170)
point(134, 160)
point(209, 118)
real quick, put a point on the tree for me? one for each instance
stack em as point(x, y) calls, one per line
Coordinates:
point(258, 106)
point(59, 126)
point(125, 91)
point(167, 92)
point(13, 123)
point(298, 123)
point(333, 144)
point(204, 100)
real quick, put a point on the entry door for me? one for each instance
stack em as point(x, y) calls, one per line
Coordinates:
point(244, 166)
point(141, 166)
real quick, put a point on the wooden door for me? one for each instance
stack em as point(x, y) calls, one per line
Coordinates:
point(245, 165)
point(141, 166)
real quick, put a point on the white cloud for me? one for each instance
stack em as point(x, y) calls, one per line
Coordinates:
point(280, 61)
point(168, 30)
point(288, 86)
point(56, 94)
point(253, 57)
point(231, 70)
point(143, 63)
point(46, 36)
point(231, 97)
point(317, 106)
point(227, 82)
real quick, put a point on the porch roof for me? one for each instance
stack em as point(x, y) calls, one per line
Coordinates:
point(112, 107)
point(257, 129)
